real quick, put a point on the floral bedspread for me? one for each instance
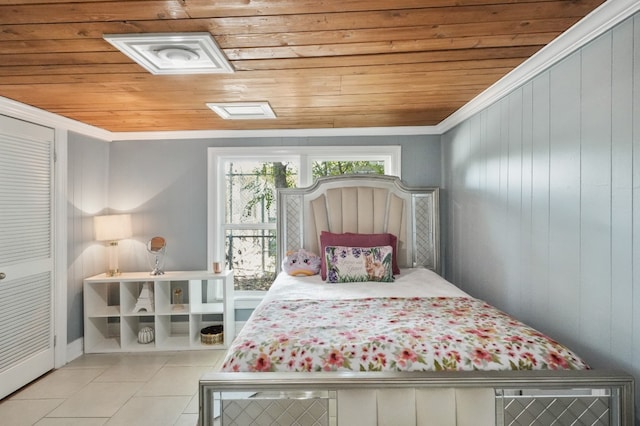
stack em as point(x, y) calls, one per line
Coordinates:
point(392, 334)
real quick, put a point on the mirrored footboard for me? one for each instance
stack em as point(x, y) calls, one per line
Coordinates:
point(425, 398)
point(595, 406)
point(275, 408)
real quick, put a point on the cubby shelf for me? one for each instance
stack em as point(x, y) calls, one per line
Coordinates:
point(112, 322)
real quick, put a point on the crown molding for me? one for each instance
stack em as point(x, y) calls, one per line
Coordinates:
point(602, 19)
point(36, 115)
point(275, 133)
point(39, 116)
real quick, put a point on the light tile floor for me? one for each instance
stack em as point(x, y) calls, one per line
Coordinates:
point(133, 389)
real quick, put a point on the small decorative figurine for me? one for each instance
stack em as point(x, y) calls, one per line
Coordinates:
point(145, 300)
point(146, 335)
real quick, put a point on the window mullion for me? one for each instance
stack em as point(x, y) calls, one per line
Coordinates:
point(304, 171)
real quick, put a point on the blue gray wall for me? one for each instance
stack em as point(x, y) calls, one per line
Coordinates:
point(543, 199)
point(163, 184)
point(87, 195)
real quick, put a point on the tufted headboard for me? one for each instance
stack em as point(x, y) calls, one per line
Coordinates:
point(365, 204)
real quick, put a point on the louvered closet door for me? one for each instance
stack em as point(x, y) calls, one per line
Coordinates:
point(26, 255)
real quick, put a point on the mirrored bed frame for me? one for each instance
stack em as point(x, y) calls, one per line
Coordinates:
point(372, 204)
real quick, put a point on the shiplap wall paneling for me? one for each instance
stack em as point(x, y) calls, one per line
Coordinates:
point(621, 191)
point(514, 193)
point(505, 244)
point(635, 228)
point(526, 221)
point(595, 197)
point(452, 240)
point(564, 198)
point(465, 234)
point(477, 178)
point(490, 207)
point(560, 201)
point(540, 289)
point(87, 183)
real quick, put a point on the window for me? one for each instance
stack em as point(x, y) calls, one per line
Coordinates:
point(242, 198)
point(250, 217)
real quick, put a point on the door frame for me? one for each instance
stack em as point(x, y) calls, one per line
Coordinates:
point(60, 313)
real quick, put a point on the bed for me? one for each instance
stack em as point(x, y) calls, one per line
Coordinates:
point(406, 348)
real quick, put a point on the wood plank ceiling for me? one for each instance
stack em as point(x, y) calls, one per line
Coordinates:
point(319, 63)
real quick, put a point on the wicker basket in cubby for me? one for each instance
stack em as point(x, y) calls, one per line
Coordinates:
point(212, 335)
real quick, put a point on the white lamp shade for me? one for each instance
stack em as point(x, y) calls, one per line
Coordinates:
point(112, 227)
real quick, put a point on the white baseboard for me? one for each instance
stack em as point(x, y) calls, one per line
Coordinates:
point(75, 349)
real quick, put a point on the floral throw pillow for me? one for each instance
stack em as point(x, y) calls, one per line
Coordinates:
point(357, 240)
point(356, 264)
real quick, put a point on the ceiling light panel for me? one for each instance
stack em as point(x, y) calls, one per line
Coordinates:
point(173, 53)
point(243, 110)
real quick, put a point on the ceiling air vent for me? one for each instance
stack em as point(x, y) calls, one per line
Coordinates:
point(243, 110)
point(173, 53)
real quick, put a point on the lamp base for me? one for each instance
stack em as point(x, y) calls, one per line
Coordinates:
point(112, 252)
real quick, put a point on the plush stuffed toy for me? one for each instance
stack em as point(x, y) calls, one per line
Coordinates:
point(301, 262)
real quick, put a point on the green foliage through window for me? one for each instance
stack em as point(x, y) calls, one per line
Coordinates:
point(251, 199)
point(269, 177)
point(336, 168)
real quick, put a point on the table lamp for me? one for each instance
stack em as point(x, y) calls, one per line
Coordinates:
point(112, 228)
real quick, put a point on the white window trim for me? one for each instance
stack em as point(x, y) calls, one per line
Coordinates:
point(304, 156)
